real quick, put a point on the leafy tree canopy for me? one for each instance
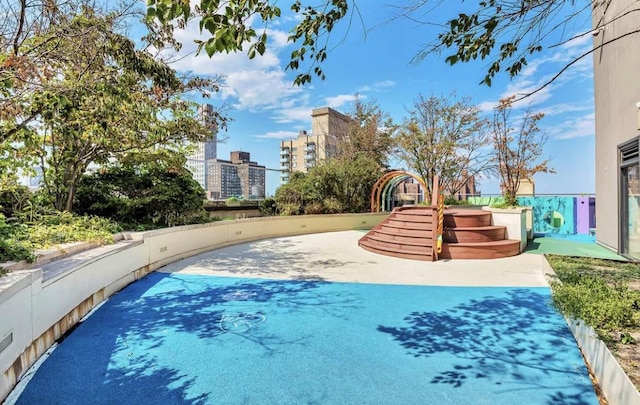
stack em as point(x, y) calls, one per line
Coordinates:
point(445, 136)
point(142, 193)
point(77, 91)
point(231, 24)
point(333, 186)
point(504, 32)
point(517, 147)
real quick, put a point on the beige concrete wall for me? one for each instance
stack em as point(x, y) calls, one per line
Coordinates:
point(331, 126)
point(617, 90)
point(170, 244)
point(37, 313)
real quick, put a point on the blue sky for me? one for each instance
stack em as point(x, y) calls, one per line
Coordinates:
point(372, 59)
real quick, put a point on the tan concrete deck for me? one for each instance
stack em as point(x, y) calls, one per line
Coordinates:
point(336, 256)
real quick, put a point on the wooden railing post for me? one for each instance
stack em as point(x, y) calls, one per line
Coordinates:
point(437, 205)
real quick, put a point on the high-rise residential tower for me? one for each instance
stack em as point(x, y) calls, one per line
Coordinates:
point(299, 154)
point(236, 177)
point(207, 150)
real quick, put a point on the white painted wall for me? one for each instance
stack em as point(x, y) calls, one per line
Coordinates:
point(15, 319)
point(515, 219)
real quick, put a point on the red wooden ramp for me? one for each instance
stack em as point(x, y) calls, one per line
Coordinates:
point(408, 232)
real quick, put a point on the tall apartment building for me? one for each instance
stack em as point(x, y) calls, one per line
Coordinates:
point(206, 150)
point(298, 155)
point(236, 177)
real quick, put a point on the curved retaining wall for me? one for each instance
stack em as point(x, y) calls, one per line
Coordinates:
point(35, 312)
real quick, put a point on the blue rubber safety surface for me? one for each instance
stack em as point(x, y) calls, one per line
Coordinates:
point(191, 339)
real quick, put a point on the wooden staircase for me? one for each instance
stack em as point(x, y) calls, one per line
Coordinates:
point(468, 234)
point(409, 232)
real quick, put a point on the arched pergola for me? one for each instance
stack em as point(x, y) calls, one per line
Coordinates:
point(382, 192)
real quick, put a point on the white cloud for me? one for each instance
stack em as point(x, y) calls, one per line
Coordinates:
point(340, 100)
point(563, 108)
point(289, 115)
point(575, 127)
point(278, 135)
point(487, 106)
point(377, 87)
point(279, 38)
point(267, 88)
point(578, 44)
point(247, 84)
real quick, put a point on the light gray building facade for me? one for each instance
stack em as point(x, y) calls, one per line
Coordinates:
point(616, 60)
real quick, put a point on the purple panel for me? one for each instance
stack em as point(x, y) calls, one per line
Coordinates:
point(583, 217)
point(592, 212)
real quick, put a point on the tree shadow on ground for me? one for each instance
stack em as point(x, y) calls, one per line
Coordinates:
point(515, 341)
point(113, 356)
point(267, 257)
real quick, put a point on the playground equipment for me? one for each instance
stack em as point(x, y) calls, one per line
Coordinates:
point(432, 232)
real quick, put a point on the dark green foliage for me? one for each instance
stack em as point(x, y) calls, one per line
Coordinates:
point(291, 197)
point(487, 32)
point(33, 230)
point(13, 200)
point(268, 206)
point(333, 186)
point(147, 195)
point(77, 91)
point(12, 245)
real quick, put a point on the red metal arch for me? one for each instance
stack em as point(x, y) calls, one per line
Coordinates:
point(382, 181)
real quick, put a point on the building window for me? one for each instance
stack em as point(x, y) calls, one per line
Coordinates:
point(629, 157)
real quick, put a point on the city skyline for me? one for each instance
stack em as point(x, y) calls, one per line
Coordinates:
point(375, 65)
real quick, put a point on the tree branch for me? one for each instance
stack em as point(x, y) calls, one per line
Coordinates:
point(568, 65)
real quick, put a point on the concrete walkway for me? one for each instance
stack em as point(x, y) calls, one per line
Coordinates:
point(336, 256)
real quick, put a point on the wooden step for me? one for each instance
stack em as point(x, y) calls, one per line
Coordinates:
point(396, 246)
point(480, 250)
point(414, 210)
point(409, 217)
point(466, 218)
point(474, 234)
point(408, 225)
point(402, 239)
point(403, 255)
point(393, 230)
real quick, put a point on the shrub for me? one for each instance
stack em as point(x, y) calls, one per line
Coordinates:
point(290, 209)
point(506, 204)
point(64, 227)
point(332, 205)
point(232, 201)
point(19, 240)
point(604, 302)
point(153, 195)
point(13, 247)
point(268, 206)
point(314, 207)
point(13, 200)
